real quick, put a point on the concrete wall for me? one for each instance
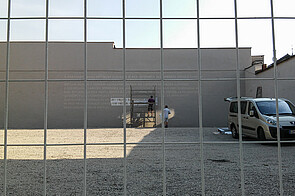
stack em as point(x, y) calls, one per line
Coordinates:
point(286, 87)
point(66, 98)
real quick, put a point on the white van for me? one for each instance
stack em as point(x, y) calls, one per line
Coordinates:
point(258, 116)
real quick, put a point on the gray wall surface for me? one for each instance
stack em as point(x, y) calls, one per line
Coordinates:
point(66, 98)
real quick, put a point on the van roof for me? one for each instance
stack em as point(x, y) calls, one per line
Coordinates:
point(266, 99)
point(250, 98)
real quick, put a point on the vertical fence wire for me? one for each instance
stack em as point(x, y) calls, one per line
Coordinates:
point(124, 98)
point(239, 101)
point(6, 97)
point(277, 102)
point(124, 102)
point(46, 101)
point(200, 101)
point(85, 101)
point(162, 98)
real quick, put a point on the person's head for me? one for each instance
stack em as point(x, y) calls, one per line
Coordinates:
point(152, 96)
point(166, 106)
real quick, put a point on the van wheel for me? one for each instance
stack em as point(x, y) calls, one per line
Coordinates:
point(234, 132)
point(260, 134)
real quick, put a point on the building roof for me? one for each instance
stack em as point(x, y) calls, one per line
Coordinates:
point(279, 61)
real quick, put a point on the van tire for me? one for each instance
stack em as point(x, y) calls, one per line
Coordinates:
point(234, 132)
point(260, 134)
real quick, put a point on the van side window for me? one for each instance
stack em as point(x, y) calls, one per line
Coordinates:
point(233, 107)
point(252, 107)
point(243, 107)
point(291, 107)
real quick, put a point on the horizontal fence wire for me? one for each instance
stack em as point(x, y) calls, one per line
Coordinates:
point(155, 143)
point(143, 18)
point(134, 80)
point(7, 81)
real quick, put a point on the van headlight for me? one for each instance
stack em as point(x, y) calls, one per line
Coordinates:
point(271, 121)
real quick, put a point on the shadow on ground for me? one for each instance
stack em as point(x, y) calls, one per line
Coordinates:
point(105, 176)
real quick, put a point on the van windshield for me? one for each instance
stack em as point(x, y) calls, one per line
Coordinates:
point(269, 108)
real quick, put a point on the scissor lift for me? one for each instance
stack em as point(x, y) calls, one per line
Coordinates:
point(139, 107)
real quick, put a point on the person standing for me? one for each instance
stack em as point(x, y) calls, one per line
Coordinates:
point(151, 102)
point(166, 115)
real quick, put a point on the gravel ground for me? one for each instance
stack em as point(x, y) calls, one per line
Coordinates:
point(105, 163)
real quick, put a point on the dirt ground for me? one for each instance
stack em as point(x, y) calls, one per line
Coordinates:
point(105, 163)
point(73, 143)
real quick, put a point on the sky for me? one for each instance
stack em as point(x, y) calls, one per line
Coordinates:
point(145, 33)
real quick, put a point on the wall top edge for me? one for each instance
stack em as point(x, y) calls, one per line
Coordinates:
point(118, 48)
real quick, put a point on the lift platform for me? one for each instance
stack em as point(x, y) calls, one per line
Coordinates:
point(139, 116)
